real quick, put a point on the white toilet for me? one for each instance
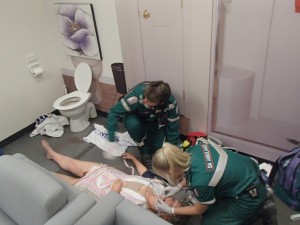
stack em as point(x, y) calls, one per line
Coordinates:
point(76, 105)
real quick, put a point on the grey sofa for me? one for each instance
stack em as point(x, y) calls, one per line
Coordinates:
point(31, 195)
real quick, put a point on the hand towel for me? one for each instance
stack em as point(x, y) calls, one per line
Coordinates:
point(50, 125)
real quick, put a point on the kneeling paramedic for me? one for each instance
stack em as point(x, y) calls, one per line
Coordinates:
point(224, 187)
point(150, 116)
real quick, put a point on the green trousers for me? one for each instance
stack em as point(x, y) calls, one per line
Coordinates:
point(235, 211)
point(141, 131)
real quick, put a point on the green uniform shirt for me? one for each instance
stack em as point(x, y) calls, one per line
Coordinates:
point(240, 172)
point(166, 114)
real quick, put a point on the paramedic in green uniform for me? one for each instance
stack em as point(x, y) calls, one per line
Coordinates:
point(224, 186)
point(150, 115)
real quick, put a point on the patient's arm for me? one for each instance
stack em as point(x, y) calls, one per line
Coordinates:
point(139, 166)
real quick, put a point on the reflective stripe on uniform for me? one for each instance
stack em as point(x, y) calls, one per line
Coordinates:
point(140, 144)
point(223, 157)
point(174, 119)
point(124, 104)
point(208, 202)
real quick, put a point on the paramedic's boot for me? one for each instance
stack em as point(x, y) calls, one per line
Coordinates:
point(268, 211)
point(146, 160)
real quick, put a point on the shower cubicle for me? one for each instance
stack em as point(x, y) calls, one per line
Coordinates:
point(255, 88)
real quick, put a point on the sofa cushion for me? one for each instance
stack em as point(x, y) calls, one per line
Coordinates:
point(28, 195)
point(73, 211)
point(128, 213)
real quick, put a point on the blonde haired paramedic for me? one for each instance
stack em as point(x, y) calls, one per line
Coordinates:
point(225, 185)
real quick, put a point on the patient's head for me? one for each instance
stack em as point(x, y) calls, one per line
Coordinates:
point(178, 220)
point(152, 196)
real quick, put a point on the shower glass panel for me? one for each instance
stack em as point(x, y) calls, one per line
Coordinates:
point(256, 89)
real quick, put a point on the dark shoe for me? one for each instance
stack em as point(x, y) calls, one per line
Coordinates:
point(147, 161)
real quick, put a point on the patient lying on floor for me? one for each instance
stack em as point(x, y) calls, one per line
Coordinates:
point(99, 179)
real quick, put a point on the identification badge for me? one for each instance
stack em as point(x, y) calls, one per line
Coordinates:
point(252, 191)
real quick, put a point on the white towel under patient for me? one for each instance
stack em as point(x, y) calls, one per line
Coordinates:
point(50, 125)
point(99, 137)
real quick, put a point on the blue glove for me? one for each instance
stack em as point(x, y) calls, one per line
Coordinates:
point(161, 206)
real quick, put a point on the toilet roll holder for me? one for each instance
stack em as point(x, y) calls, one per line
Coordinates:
point(35, 68)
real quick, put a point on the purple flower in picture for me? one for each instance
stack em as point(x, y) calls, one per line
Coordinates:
point(77, 29)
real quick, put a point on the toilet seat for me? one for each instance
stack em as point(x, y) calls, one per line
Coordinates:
point(83, 97)
point(83, 80)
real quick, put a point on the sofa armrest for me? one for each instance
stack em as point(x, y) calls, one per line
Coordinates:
point(73, 211)
point(28, 195)
point(5, 219)
point(70, 190)
point(103, 213)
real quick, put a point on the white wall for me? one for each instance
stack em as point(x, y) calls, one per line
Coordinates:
point(30, 26)
point(131, 42)
point(197, 41)
point(106, 20)
point(23, 98)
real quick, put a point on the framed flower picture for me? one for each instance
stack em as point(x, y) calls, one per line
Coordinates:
point(78, 29)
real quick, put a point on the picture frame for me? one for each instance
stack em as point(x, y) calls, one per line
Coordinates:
point(78, 30)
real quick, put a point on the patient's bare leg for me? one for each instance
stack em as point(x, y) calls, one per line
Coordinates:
point(68, 179)
point(75, 166)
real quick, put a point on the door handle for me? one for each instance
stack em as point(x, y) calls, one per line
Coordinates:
point(146, 14)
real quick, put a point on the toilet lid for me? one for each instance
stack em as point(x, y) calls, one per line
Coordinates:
point(83, 77)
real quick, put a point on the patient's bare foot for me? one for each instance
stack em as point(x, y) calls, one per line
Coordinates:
point(50, 152)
